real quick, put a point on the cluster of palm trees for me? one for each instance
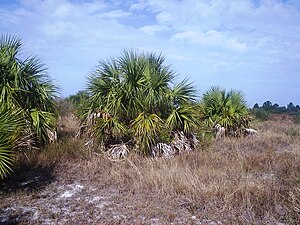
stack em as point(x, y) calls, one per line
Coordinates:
point(139, 102)
point(27, 106)
point(136, 92)
point(134, 97)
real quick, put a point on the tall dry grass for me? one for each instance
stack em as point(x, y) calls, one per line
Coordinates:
point(241, 181)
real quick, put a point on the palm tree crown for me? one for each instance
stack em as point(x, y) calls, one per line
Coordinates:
point(136, 91)
point(229, 109)
point(25, 84)
point(25, 88)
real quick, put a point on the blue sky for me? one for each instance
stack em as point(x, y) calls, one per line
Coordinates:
point(252, 46)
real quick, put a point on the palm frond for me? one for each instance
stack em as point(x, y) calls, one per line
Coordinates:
point(42, 121)
point(109, 127)
point(182, 93)
point(25, 84)
point(147, 128)
point(11, 129)
point(182, 118)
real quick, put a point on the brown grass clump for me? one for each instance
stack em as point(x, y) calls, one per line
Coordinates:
point(233, 181)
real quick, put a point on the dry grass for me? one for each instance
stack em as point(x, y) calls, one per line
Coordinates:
point(233, 181)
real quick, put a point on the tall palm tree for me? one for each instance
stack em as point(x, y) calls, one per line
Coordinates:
point(26, 88)
point(229, 109)
point(136, 91)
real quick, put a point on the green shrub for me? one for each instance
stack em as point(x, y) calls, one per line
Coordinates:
point(228, 108)
point(261, 114)
point(135, 93)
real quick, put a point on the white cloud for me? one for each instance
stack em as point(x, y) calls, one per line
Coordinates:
point(93, 7)
point(209, 39)
point(116, 14)
point(239, 46)
point(138, 6)
point(152, 29)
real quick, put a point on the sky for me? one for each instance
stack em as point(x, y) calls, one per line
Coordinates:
point(251, 46)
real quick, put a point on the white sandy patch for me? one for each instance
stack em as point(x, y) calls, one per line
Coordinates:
point(74, 189)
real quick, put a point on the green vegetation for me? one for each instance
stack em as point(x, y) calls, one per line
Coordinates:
point(135, 93)
point(132, 100)
point(260, 114)
point(229, 109)
point(81, 103)
point(269, 110)
point(11, 127)
point(26, 89)
point(79, 98)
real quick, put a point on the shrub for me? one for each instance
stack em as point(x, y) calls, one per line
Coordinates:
point(229, 109)
point(261, 114)
point(134, 94)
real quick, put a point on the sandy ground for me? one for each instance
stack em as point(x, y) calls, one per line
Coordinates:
point(36, 196)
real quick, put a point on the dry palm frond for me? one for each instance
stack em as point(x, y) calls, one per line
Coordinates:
point(118, 151)
point(181, 143)
point(162, 149)
point(80, 131)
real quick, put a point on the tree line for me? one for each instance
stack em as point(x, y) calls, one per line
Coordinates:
point(268, 109)
point(275, 108)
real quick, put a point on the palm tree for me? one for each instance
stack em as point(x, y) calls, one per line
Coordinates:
point(26, 88)
point(11, 130)
point(136, 91)
point(25, 85)
point(229, 109)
